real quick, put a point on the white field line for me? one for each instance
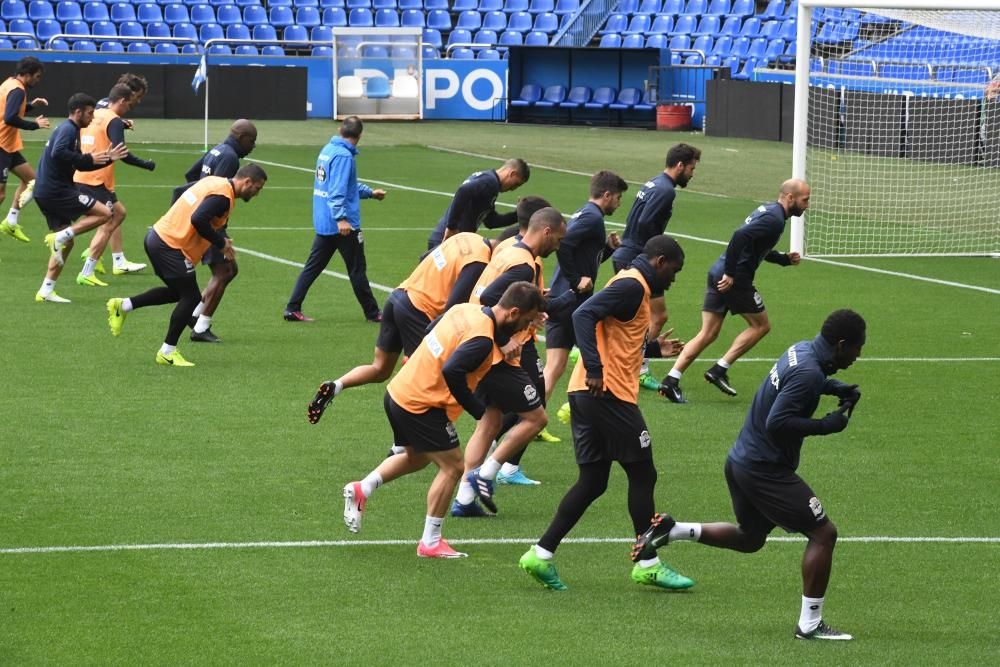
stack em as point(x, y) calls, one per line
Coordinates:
point(309, 229)
point(205, 546)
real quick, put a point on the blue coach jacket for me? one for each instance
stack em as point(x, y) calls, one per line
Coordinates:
point(337, 194)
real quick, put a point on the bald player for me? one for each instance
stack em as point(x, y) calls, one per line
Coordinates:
point(445, 277)
point(730, 288)
point(223, 161)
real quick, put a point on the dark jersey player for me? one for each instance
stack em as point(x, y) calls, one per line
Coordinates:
point(648, 217)
point(730, 288)
point(14, 104)
point(761, 468)
point(474, 203)
point(222, 160)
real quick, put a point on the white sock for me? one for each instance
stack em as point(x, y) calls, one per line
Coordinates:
point(508, 469)
point(65, 235)
point(88, 267)
point(466, 494)
point(722, 363)
point(48, 286)
point(12, 216)
point(544, 554)
point(199, 309)
point(650, 562)
point(432, 531)
point(686, 531)
point(489, 469)
point(396, 449)
point(167, 349)
point(338, 387)
point(203, 323)
point(811, 614)
point(370, 483)
point(127, 306)
point(119, 260)
point(645, 367)
point(674, 373)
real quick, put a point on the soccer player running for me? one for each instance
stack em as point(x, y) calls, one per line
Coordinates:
point(57, 195)
point(222, 160)
point(730, 288)
point(14, 102)
point(474, 203)
point(444, 278)
point(648, 217)
point(106, 130)
point(427, 396)
point(585, 246)
point(611, 329)
point(337, 196)
point(761, 467)
point(177, 242)
point(514, 389)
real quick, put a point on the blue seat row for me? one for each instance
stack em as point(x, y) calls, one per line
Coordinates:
point(581, 97)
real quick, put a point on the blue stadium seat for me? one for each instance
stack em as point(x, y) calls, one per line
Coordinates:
point(210, 31)
point(166, 48)
point(463, 53)
point(704, 44)
point(280, 17)
point(190, 49)
point(552, 97)
point(731, 26)
point(672, 7)
point(740, 47)
point(358, 4)
point(298, 4)
point(85, 45)
point(272, 3)
point(496, 21)
point(13, 9)
point(412, 18)
point(5, 43)
point(248, 3)
point(536, 38)
point(25, 44)
point(910, 72)
point(627, 99)
point(185, 30)
point(751, 27)
point(202, 13)
point(789, 30)
point(459, 6)
point(709, 25)
point(410, 4)
point(485, 37)
point(374, 51)
point(335, 17)
point(112, 47)
point(57, 44)
point(435, 4)
point(46, 28)
point(155, 29)
point(541, 6)
point(469, 20)
point(775, 49)
point(246, 50)
point(718, 8)
point(229, 15)
point(684, 25)
point(138, 47)
point(220, 50)
point(616, 23)
point(746, 8)
point(679, 43)
point(577, 97)
point(377, 88)
point(509, 38)
point(757, 48)
point(131, 29)
point(603, 96)
point(488, 54)
point(695, 7)
point(547, 23)
point(662, 24)
point(567, 7)
point(383, 4)
point(254, 15)
point(770, 29)
point(439, 19)
point(122, 12)
point(487, 6)
point(432, 37)
point(747, 71)
point(650, 7)
point(96, 11)
point(359, 18)
point(633, 41)
point(430, 53)
point(722, 46)
point(519, 22)
point(272, 50)
point(308, 17)
point(400, 52)
point(610, 40)
point(103, 29)
point(68, 11)
point(21, 25)
point(639, 25)
point(657, 42)
point(386, 18)
point(321, 33)
point(40, 10)
point(173, 13)
point(515, 6)
point(628, 7)
point(459, 36)
point(529, 94)
point(295, 33)
point(775, 10)
point(322, 51)
point(694, 59)
point(153, 14)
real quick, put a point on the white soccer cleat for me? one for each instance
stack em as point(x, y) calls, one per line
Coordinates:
point(354, 506)
point(130, 267)
point(51, 297)
point(27, 194)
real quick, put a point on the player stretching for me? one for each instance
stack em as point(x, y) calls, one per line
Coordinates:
point(761, 467)
point(14, 103)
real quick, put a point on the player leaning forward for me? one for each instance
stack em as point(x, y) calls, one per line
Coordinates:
point(761, 468)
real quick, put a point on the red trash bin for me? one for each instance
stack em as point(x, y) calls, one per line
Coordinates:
point(673, 117)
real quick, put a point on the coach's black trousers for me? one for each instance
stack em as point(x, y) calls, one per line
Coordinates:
point(352, 249)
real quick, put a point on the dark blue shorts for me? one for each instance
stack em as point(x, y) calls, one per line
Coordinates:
point(61, 208)
point(8, 161)
point(403, 325)
point(425, 432)
point(168, 263)
point(740, 299)
point(765, 498)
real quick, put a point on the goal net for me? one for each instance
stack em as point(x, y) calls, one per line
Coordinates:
point(377, 73)
point(902, 129)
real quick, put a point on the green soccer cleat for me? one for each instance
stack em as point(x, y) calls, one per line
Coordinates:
point(116, 316)
point(647, 381)
point(563, 413)
point(172, 359)
point(55, 249)
point(545, 436)
point(543, 571)
point(15, 232)
point(661, 576)
point(99, 267)
point(90, 281)
point(574, 355)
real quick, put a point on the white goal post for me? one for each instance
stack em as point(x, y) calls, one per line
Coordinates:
point(902, 150)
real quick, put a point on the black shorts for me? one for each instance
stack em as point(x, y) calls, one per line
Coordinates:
point(7, 163)
point(214, 255)
point(426, 432)
point(513, 389)
point(168, 263)
point(403, 325)
point(608, 429)
point(559, 334)
point(740, 299)
point(763, 499)
point(62, 208)
point(100, 193)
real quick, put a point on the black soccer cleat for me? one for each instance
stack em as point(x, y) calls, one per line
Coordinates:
point(823, 631)
point(322, 398)
point(672, 391)
point(656, 536)
point(720, 380)
point(205, 336)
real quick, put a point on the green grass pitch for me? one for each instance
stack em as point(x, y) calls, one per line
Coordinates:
point(102, 447)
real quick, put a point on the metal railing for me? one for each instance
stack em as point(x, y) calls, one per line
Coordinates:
point(585, 24)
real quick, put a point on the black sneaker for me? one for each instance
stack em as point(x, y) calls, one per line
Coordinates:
point(656, 536)
point(205, 336)
point(322, 398)
point(297, 316)
point(720, 380)
point(823, 631)
point(672, 391)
